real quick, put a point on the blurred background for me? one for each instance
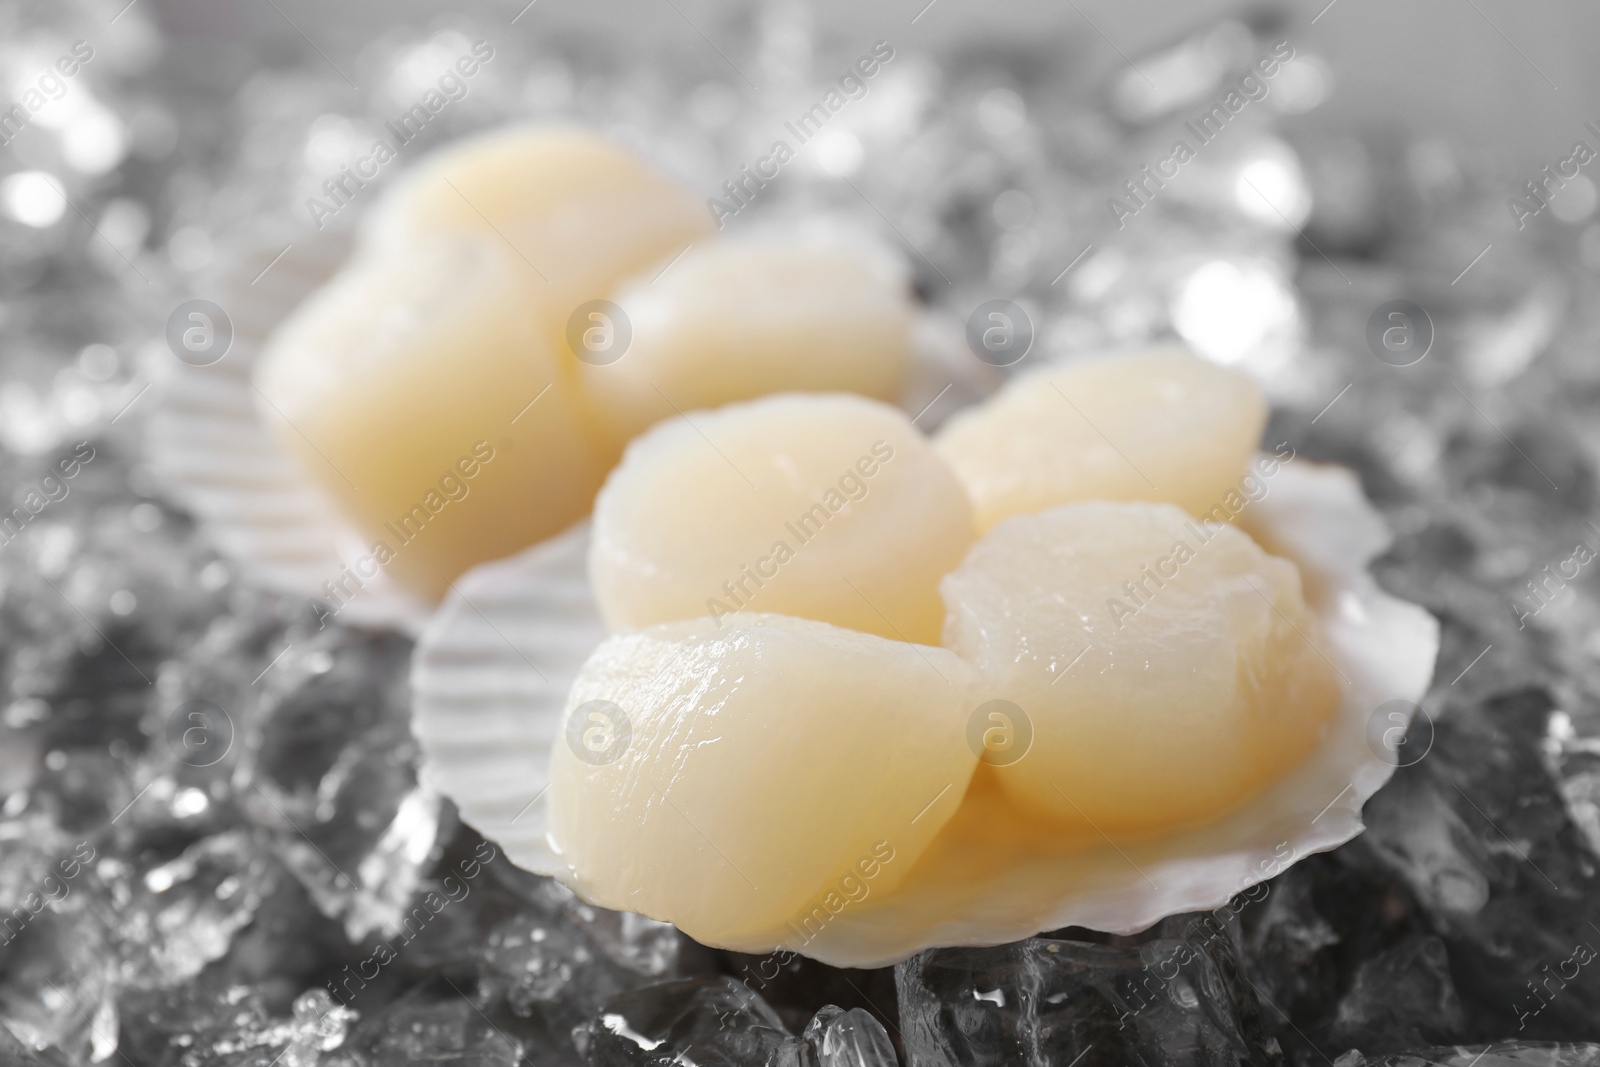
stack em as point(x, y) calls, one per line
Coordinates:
point(164, 901)
point(1496, 78)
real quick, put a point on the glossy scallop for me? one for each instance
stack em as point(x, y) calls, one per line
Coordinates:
point(421, 395)
point(579, 210)
point(1169, 668)
point(823, 506)
point(741, 317)
point(750, 782)
point(1158, 425)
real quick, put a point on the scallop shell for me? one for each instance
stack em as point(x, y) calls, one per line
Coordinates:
point(209, 445)
point(493, 667)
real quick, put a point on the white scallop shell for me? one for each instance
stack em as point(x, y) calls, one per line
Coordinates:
point(491, 673)
point(209, 446)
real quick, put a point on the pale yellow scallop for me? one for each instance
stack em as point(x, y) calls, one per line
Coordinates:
point(1159, 425)
point(771, 773)
point(824, 506)
point(419, 391)
point(1170, 670)
point(741, 317)
point(581, 211)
